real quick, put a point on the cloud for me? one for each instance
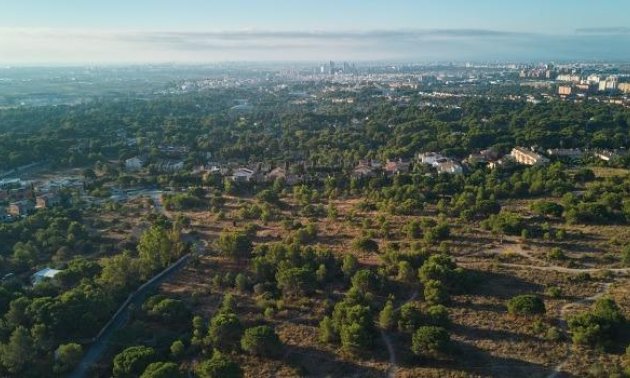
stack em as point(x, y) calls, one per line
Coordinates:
point(41, 46)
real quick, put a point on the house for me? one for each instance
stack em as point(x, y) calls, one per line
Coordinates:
point(524, 156)
point(430, 158)
point(571, 153)
point(608, 155)
point(366, 168)
point(47, 200)
point(450, 167)
point(393, 167)
point(169, 166)
point(46, 273)
point(134, 164)
point(21, 208)
point(242, 175)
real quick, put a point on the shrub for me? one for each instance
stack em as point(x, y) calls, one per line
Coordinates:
point(526, 305)
point(261, 341)
point(162, 370)
point(364, 244)
point(219, 366)
point(132, 361)
point(430, 340)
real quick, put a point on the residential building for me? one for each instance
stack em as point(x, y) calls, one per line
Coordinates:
point(242, 175)
point(46, 273)
point(527, 157)
point(47, 200)
point(430, 158)
point(169, 166)
point(134, 164)
point(572, 153)
point(565, 90)
point(624, 87)
point(450, 167)
point(21, 208)
point(393, 167)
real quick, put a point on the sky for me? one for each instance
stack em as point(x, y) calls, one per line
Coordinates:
point(35, 32)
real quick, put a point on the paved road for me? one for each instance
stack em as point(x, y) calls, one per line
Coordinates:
point(120, 318)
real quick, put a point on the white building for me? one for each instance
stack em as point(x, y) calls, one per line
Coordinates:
point(430, 158)
point(46, 273)
point(450, 167)
point(242, 175)
point(134, 164)
point(527, 157)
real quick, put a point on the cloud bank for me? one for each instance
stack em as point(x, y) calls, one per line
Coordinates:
point(58, 46)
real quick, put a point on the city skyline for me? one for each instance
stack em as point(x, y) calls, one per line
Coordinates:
point(192, 31)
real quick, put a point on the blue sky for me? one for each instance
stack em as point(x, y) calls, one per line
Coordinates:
point(112, 31)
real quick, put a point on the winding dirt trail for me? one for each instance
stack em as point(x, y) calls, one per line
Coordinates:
point(393, 364)
point(603, 289)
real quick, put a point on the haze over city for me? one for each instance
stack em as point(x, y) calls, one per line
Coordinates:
point(40, 32)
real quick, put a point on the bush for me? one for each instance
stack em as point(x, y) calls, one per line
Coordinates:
point(132, 361)
point(261, 341)
point(526, 305)
point(429, 341)
point(162, 370)
point(219, 366)
point(364, 244)
point(435, 292)
point(599, 326)
point(225, 331)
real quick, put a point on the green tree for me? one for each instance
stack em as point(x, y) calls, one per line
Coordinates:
point(349, 265)
point(326, 330)
point(18, 352)
point(68, 356)
point(526, 305)
point(435, 292)
point(177, 349)
point(387, 316)
point(132, 361)
point(295, 281)
point(162, 370)
point(236, 245)
point(219, 366)
point(429, 341)
point(225, 331)
point(261, 341)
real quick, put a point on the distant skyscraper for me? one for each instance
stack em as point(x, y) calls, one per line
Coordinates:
point(331, 68)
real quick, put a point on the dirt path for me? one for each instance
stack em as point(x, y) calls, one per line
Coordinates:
point(604, 287)
point(391, 371)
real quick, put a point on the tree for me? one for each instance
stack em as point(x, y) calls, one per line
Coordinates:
point(354, 337)
point(405, 272)
point(162, 370)
point(387, 316)
point(295, 281)
point(68, 356)
point(349, 265)
point(157, 248)
point(132, 361)
point(599, 326)
point(437, 315)
point(409, 317)
point(18, 352)
point(526, 305)
point(177, 349)
point(236, 245)
point(261, 341)
point(225, 331)
point(219, 366)
point(429, 341)
point(364, 244)
point(326, 330)
point(364, 281)
point(435, 292)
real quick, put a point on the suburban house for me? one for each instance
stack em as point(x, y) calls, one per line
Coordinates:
point(134, 164)
point(169, 166)
point(450, 167)
point(524, 156)
point(430, 158)
point(393, 167)
point(365, 168)
point(46, 273)
point(242, 175)
point(21, 208)
point(47, 200)
point(571, 153)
